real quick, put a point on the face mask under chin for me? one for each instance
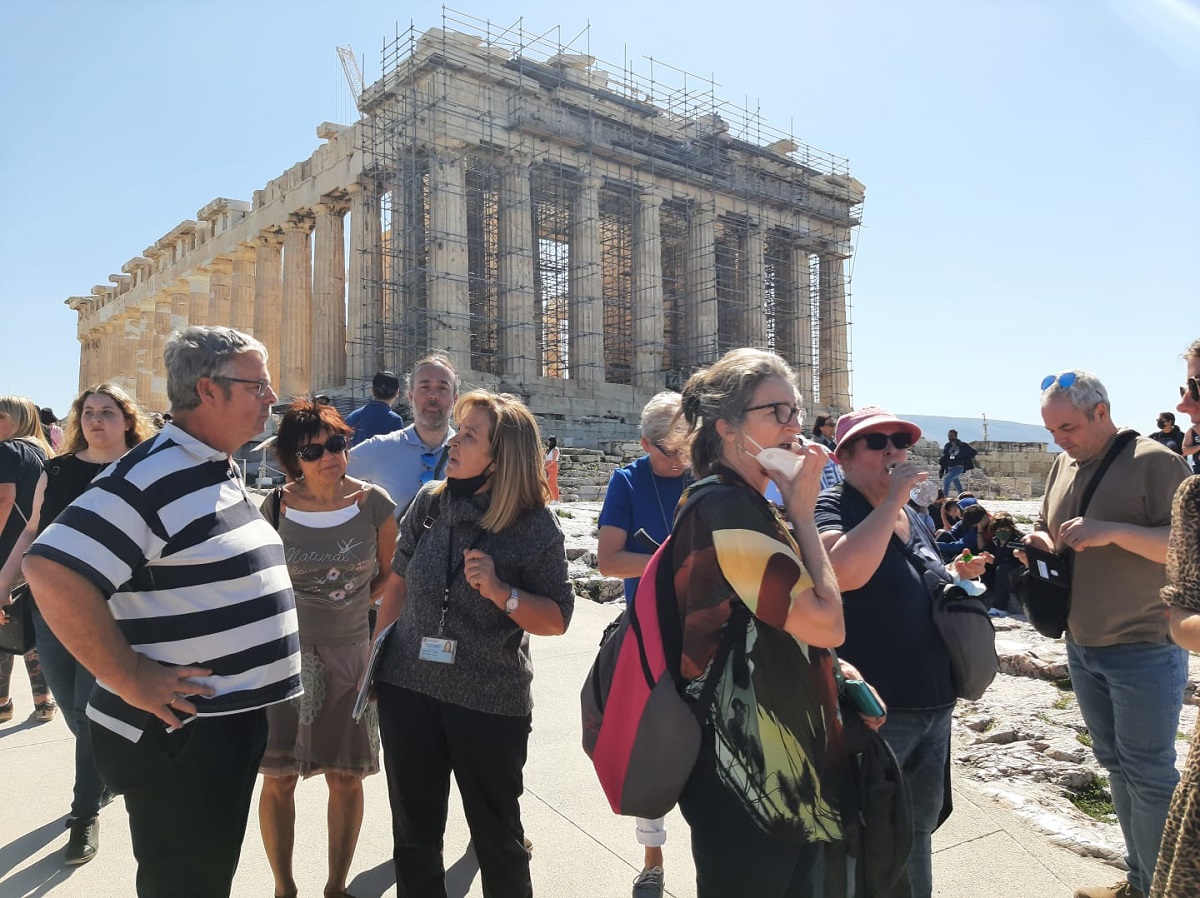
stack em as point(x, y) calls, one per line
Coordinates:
point(466, 486)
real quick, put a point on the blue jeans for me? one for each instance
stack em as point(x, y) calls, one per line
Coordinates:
point(1130, 696)
point(921, 742)
point(952, 476)
point(71, 685)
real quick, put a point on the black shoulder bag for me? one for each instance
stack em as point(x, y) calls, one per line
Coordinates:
point(1048, 604)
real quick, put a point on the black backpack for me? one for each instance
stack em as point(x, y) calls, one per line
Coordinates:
point(877, 823)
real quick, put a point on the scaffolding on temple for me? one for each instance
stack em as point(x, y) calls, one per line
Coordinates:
point(563, 227)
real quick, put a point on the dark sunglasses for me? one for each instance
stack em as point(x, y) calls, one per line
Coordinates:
point(313, 451)
point(1063, 380)
point(877, 441)
point(1192, 390)
point(785, 413)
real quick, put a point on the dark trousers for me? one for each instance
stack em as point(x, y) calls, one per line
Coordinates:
point(734, 858)
point(424, 740)
point(71, 685)
point(188, 797)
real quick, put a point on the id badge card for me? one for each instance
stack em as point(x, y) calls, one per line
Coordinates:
point(438, 649)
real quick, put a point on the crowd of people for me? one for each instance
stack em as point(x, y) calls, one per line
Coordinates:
point(200, 639)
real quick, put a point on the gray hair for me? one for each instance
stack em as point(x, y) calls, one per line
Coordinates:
point(197, 352)
point(1085, 393)
point(1193, 351)
point(721, 392)
point(434, 358)
point(658, 414)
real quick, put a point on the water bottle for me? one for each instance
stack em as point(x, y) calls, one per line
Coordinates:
point(924, 493)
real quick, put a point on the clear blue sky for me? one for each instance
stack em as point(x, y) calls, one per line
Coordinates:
point(1031, 168)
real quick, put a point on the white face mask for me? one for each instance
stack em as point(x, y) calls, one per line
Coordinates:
point(777, 461)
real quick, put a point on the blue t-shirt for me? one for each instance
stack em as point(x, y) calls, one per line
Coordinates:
point(890, 635)
point(399, 462)
point(373, 419)
point(638, 499)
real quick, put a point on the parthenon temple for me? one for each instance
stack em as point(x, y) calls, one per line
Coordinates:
point(575, 233)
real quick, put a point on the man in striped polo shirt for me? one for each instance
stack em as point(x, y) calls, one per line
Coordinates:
point(166, 582)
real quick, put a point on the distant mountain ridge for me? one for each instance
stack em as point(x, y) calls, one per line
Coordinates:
point(970, 430)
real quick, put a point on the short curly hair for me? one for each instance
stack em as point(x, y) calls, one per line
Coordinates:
point(305, 419)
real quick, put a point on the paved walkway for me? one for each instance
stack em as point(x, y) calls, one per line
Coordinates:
point(580, 849)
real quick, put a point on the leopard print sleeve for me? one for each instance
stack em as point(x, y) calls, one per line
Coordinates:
point(1183, 551)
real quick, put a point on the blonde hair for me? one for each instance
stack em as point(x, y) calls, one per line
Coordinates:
point(139, 425)
point(518, 477)
point(27, 421)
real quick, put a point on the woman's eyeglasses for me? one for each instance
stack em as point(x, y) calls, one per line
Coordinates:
point(669, 453)
point(432, 461)
point(1192, 390)
point(877, 441)
point(785, 413)
point(313, 451)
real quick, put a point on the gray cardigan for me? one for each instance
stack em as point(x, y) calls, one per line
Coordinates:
point(492, 671)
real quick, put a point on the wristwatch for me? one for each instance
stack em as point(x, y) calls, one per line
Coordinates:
point(513, 602)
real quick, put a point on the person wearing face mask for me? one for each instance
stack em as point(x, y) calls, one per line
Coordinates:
point(1168, 433)
point(735, 559)
point(881, 555)
point(479, 565)
point(1000, 541)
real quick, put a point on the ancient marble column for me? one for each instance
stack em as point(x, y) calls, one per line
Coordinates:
point(800, 323)
point(180, 295)
point(145, 354)
point(329, 295)
point(157, 398)
point(834, 342)
point(362, 311)
point(754, 321)
point(131, 333)
point(701, 315)
point(295, 355)
point(241, 290)
point(448, 325)
point(517, 334)
point(198, 300)
point(268, 296)
point(586, 297)
point(220, 291)
point(648, 294)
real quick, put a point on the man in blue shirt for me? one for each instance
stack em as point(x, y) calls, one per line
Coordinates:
point(377, 417)
point(403, 460)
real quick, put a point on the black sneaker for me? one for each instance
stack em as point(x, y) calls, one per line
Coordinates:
point(84, 841)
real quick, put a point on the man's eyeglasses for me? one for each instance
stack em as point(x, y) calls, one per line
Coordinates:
point(1065, 380)
point(433, 462)
point(263, 386)
point(785, 413)
point(313, 451)
point(1192, 390)
point(878, 441)
point(671, 453)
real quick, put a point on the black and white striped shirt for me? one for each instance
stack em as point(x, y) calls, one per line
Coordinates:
point(193, 573)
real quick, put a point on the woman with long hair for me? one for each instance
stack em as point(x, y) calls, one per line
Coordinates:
point(23, 454)
point(759, 819)
point(338, 533)
point(479, 565)
point(102, 425)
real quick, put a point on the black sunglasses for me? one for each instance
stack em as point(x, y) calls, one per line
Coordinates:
point(313, 451)
point(877, 441)
point(1192, 390)
point(785, 413)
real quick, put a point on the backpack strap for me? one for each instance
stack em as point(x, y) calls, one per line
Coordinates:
point(1123, 439)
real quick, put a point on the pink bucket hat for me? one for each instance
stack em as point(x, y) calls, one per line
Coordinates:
point(871, 417)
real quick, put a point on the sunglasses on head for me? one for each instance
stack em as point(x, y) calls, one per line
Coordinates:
point(1192, 390)
point(877, 441)
point(1063, 380)
point(313, 451)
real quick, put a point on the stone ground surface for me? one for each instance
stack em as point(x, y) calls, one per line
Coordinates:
point(1012, 832)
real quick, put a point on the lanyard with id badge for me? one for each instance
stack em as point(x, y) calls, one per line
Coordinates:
point(441, 649)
